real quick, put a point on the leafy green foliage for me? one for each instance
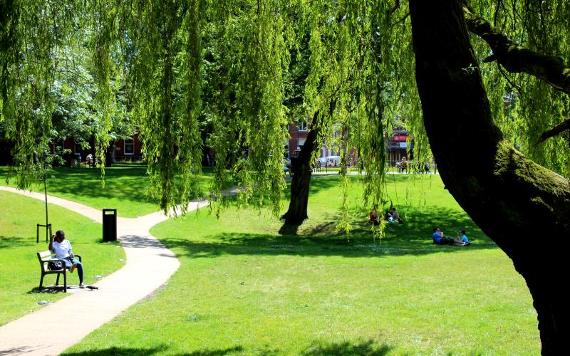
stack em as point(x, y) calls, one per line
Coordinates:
point(523, 106)
point(225, 74)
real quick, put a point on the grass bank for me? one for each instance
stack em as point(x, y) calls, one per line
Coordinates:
point(20, 275)
point(244, 289)
point(125, 187)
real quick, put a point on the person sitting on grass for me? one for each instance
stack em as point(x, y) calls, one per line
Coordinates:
point(89, 160)
point(373, 216)
point(439, 239)
point(463, 238)
point(393, 216)
point(62, 250)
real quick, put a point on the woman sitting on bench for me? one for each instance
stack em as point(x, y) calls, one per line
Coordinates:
point(62, 250)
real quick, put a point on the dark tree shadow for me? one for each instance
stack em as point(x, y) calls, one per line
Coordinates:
point(87, 182)
point(14, 241)
point(411, 238)
point(126, 351)
point(367, 348)
point(120, 351)
point(229, 350)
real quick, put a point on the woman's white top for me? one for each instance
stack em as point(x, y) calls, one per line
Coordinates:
point(63, 249)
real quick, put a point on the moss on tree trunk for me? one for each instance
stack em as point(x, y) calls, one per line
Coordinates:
point(522, 206)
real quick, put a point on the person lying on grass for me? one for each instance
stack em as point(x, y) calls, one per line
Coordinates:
point(439, 239)
point(62, 250)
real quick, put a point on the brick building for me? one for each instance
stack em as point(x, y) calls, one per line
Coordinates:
point(397, 145)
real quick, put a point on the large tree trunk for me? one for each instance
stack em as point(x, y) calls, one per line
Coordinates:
point(522, 206)
point(301, 171)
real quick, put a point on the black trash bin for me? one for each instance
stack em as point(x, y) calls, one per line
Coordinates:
point(109, 224)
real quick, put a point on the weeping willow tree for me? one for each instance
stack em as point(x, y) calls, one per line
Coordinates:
point(160, 44)
point(33, 38)
point(480, 119)
point(349, 53)
point(30, 33)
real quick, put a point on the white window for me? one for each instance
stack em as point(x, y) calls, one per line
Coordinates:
point(129, 147)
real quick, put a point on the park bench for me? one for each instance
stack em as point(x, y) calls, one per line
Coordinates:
point(44, 257)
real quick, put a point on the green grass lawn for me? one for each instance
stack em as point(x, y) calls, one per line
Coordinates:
point(19, 266)
point(125, 187)
point(244, 289)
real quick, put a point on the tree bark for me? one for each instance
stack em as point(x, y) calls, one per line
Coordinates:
point(301, 172)
point(522, 206)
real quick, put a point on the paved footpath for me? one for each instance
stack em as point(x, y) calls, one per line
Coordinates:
point(51, 330)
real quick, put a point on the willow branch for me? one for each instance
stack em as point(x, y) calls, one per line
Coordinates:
point(396, 7)
point(516, 59)
point(556, 130)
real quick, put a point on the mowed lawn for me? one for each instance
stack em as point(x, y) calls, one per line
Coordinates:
point(125, 187)
point(19, 266)
point(244, 289)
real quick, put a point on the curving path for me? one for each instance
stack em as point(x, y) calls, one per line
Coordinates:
point(149, 265)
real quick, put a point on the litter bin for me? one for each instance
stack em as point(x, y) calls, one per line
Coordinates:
point(109, 224)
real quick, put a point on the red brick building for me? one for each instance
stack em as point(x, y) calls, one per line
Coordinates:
point(397, 145)
point(125, 149)
point(297, 138)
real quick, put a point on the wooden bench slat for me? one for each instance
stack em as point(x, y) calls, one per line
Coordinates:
point(45, 254)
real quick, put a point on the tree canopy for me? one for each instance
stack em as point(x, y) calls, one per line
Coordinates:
point(240, 64)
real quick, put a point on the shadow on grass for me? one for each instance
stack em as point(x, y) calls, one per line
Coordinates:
point(410, 238)
point(229, 350)
point(368, 348)
point(260, 244)
point(127, 182)
point(47, 289)
point(14, 241)
point(120, 351)
point(126, 351)
point(122, 183)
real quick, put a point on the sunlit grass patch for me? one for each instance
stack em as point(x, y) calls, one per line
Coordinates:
point(19, 266)
point(244, 289)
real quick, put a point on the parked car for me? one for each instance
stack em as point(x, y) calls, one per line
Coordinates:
point(329, 161)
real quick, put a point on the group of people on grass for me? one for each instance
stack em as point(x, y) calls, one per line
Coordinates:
point(440, 239)
point(62, 249)
point(392, 216)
